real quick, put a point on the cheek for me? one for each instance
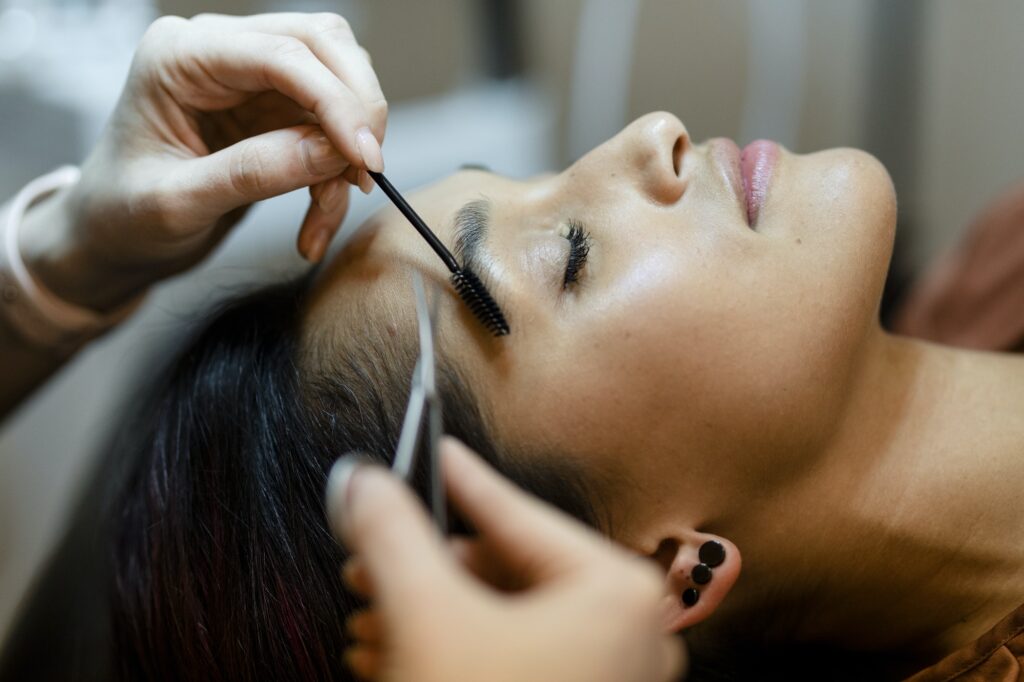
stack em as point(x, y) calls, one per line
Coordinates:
point(840, 237)
point(733, 343)
point(719, 342)
point(841, 212)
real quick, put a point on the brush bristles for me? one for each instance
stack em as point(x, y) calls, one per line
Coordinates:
point(479, 300)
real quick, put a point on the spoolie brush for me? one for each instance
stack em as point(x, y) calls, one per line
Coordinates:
point(469, 287)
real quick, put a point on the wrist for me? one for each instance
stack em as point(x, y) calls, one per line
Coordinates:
point(55, 253)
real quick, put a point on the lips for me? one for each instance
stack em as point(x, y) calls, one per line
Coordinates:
point(748, 172)
point(757, 164)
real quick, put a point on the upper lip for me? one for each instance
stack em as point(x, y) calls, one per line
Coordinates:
point(725, 154)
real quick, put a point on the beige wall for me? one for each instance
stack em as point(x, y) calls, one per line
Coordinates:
point(972, 114)
point(419, 47)
point(692, 61)
point(689, 60)
point(835, 75)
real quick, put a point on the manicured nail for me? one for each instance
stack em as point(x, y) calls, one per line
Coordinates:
point(373, 158)
point(318, 245)
point(319, 156)
point(366, 183)
point(339, 486)
point(330, 196)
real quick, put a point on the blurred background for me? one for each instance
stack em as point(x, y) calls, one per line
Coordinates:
point(933, 88)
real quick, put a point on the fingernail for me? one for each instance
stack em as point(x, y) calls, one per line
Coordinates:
point(318, 245)
point(369, 148)
point(366, 183)
point(330, 196)
point(339, 488)
point(319, 156)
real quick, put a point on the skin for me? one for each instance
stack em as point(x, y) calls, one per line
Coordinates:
point(728, 383)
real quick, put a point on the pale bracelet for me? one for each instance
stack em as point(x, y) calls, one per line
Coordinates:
point(33, 311)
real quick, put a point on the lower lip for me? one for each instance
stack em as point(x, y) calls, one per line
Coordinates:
point(757, 163)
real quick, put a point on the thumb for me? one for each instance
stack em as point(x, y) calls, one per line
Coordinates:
point(260, 167)
point(379, 519)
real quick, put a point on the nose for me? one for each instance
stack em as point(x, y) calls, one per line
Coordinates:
point(648, 153)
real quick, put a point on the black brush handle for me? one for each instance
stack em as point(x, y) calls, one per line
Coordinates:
point(402, 205)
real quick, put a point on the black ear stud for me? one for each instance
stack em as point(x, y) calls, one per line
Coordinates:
point(701, 574)
point(690, 597)
point(712, 553)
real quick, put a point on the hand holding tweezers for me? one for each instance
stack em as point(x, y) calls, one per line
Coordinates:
point(421, 427)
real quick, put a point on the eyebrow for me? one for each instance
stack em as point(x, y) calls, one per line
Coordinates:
point(472, 223)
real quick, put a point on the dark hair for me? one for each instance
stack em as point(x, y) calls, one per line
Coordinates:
point(223, 565)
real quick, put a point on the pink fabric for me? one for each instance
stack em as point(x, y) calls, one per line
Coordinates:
point(974, 297)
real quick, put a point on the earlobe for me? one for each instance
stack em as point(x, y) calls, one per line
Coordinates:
point(703, 570)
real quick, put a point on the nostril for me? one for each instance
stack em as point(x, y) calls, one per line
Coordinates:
point(677, 154)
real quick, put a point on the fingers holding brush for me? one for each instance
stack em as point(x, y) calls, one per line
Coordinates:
point(331, 39)
point(327, 208)
point(289, 64)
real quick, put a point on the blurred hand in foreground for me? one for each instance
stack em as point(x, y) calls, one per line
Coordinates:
point(535, 596)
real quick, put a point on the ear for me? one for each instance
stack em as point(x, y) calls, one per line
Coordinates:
point(702, 568)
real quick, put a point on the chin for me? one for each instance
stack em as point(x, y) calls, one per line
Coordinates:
point(849, 210)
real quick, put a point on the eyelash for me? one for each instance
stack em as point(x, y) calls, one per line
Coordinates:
point(579, 248)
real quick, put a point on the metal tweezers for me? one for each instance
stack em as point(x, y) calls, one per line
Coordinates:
point(424, 407)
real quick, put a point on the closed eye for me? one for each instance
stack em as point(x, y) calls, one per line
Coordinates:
point(579, 249)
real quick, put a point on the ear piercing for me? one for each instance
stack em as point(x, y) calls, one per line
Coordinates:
point(712, 555)
point(701, 574)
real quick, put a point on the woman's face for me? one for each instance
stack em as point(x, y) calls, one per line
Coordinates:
point(690, 352)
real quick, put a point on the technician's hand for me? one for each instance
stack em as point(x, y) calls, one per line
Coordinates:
point(219, 112)
point(582, 610)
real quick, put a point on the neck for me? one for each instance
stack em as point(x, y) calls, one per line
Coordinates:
point(911, 521)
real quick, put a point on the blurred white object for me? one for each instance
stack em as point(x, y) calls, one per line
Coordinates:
point(69, 55)
point(17, 33)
